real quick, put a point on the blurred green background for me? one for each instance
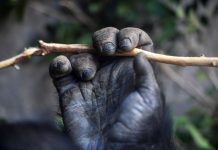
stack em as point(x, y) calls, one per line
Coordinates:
point(177, 27)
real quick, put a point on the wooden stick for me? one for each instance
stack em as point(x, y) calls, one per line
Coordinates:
point(18, 58)
point(46, 48)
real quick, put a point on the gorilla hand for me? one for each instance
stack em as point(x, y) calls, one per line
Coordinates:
point(110, 100)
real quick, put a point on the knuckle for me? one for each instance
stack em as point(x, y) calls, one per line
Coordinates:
point(104, 40)
point(103, 30)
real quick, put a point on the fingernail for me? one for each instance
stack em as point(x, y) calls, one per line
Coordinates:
point(125, 44)
point(109, 48)
point(87, 74)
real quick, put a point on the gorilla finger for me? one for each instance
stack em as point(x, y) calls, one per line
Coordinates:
point(145, 42)
point(60, 70)
point(84, 66)
point(60, 67)
point(144, 73)
point(129, 38)
point(104, 40)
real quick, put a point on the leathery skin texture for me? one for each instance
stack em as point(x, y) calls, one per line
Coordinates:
point(112, 102)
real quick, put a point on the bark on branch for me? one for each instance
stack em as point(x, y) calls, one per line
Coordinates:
point(46, 48)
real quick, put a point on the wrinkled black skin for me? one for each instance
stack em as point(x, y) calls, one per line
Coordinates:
point(112, 102)
point(32, 136)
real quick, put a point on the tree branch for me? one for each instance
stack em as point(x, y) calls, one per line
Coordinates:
point(46, 48)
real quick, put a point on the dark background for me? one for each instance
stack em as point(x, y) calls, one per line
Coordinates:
point(177, 27)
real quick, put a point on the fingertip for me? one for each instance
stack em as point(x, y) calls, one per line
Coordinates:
point(125, 44)
point(59, 67)
point(104, 40)
point(84, 66)
point(127, 39)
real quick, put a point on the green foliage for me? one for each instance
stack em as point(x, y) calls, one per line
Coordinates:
point(201, 76)
point(211, 92)
point(196, 130)
point(169, 30)
point(180, 12)
point(72, 33)
point(95, 7)
point(122, 13)
point(192, 22)
point(155, 8)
